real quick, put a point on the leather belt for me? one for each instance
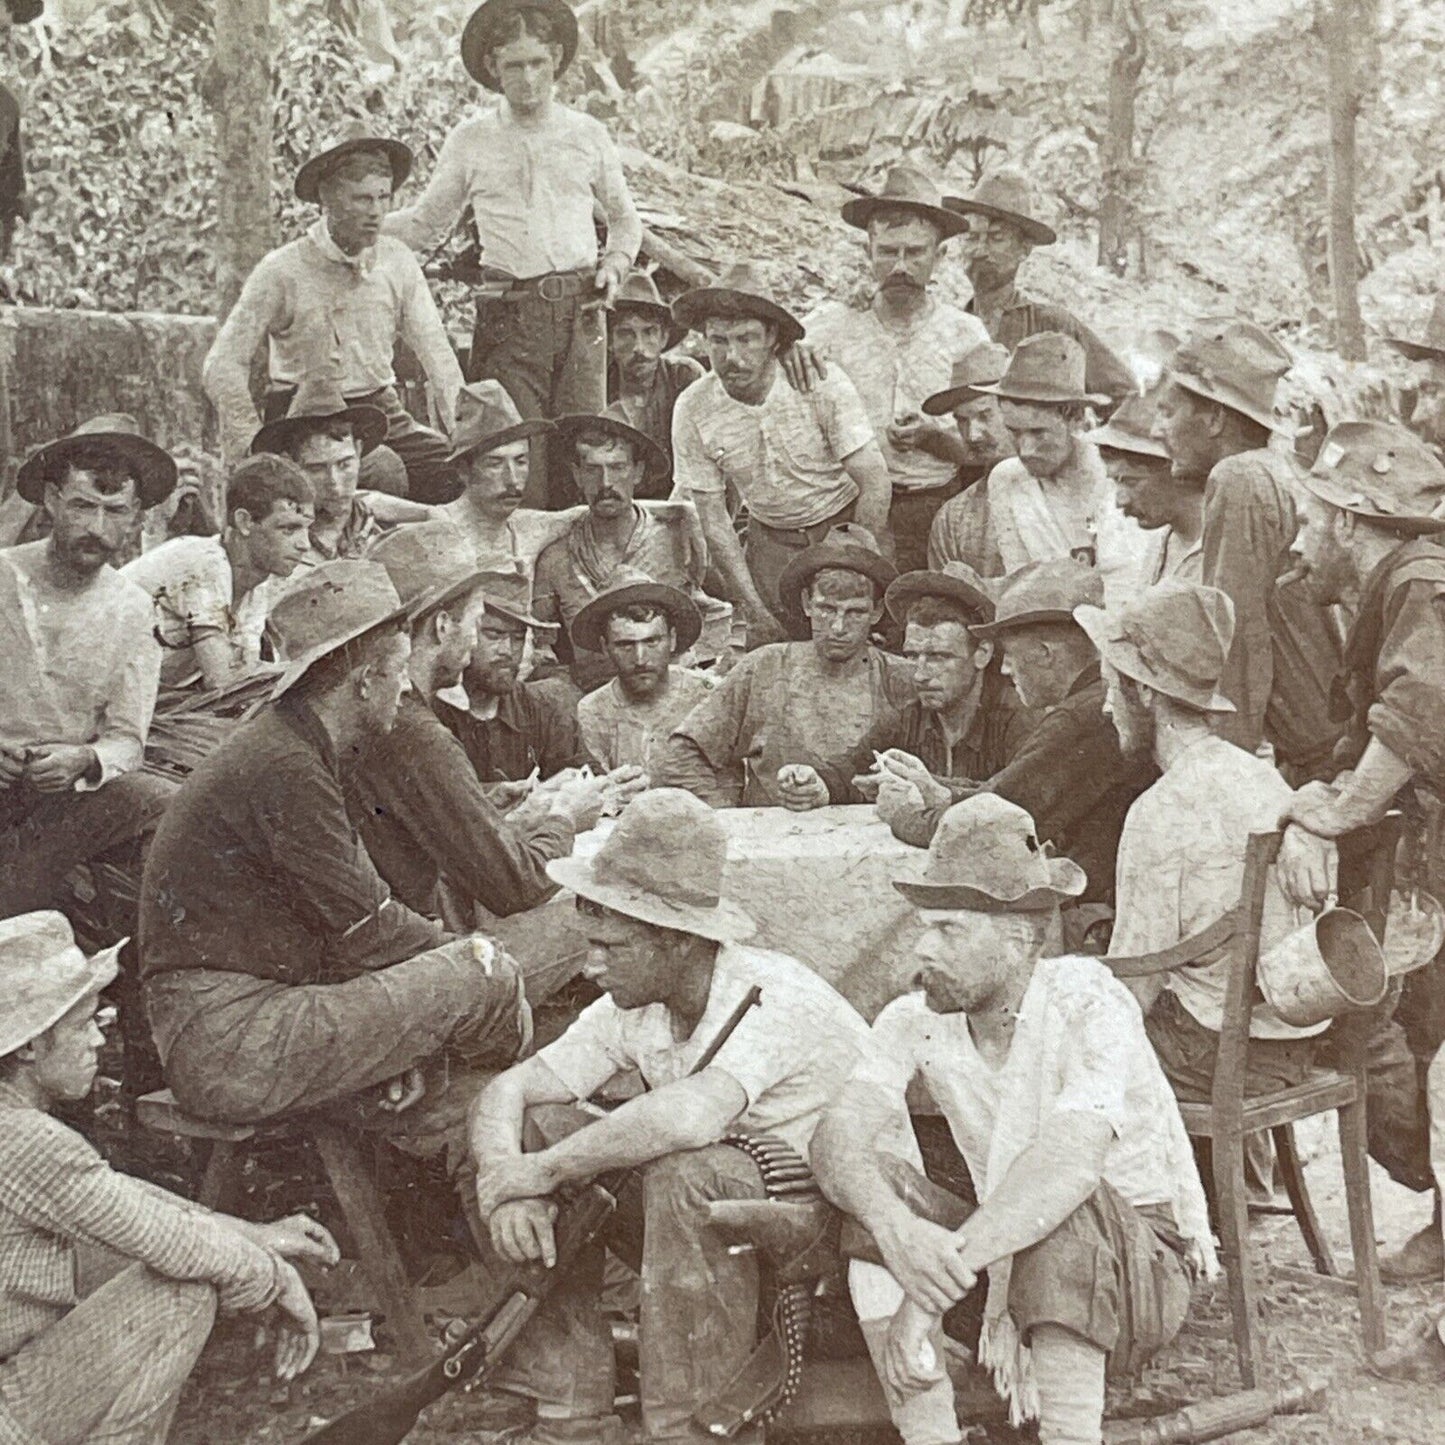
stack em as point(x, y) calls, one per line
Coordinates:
point(554, 286)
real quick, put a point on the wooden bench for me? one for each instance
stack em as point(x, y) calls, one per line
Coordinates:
point(350, 1175)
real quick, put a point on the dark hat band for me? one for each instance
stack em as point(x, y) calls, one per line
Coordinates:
point(616, 872)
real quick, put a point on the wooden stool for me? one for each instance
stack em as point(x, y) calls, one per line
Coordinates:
point(347, 1171)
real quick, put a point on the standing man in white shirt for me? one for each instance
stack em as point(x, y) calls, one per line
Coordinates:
point(902, 347)
point(531, 172)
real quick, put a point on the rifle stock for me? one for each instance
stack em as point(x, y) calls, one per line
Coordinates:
point(390, 1418)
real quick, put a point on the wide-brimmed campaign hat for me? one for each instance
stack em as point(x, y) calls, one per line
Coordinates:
point(111, 438)
point(1128, 431)
point(335, 603)
point(353, 137)
point(663, 862)
point(986, 857)
point(1382, 473)
point(1004, 195)
point(983, 366)
point(1174, 637)
point(907, 191)
point(480, 35)
point(639, 293)
point(1048, 367)
point(656, 462)
point(629, 588)
point(487, 417)
point(741, 290)
point(510, 594)
point(43, 974)
point(317, 404)
point(1235, 363)
point(848, 547)
point(429, 563)
point(1431, 345)
point(1043, 592)
point(956, 582)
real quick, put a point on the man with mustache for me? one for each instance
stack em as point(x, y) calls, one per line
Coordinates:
point(645, 375)
point(610, 461)
point(83, 671)
point(1088, 1193)
point(1003, 228)
point(640, 625)
point(902, 347)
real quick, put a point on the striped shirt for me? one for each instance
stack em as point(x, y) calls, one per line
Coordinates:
point(896, 369)
point(784, 457)
point(56, 1193)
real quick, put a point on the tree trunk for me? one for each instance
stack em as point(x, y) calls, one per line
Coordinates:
point(1344, 23)
point(1118, 165)
point(241, 100)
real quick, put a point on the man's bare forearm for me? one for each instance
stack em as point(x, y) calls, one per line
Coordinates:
point(845, 1164)
point(495, 1123)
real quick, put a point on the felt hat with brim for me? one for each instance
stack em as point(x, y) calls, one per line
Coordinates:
point(741, 291)
point(1174, 637)
point(317, 405)
point(1383, 474)
point(1004, 195)
point(429, 563)
point(1430, 346)
point(22, 12)
point(1234, 363)
point(983, 366)
point(353, 139)
point(510, 594)
point(639, 293)
point(655, 461)
point(906, 192)
point(487, 417)
point(1049, 368)
point(847, 548)
point(1128, 431)
point(1043, 592)
point(956, 582)
point(631, 588)
point(986, 857)
point(43, 975)
point(481, 33)
point(107, 440)
point(663, 863)
point(336, 603)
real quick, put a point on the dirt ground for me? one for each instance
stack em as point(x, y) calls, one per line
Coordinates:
point(1311, 1328)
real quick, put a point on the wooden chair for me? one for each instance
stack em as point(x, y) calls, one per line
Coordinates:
point(1366, 876)
point(350, 1175)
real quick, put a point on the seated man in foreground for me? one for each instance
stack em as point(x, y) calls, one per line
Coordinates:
point(1092, 1217)
point(108, 1363)
point(281, 973)
point(668, 951)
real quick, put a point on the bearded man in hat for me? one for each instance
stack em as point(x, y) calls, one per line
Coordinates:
point(640, 626)
point(1003, 228)
point(282, 974)
point(1088, 1192)
point(785, 725)
point(87, 1360)
point(902, 347)
point(420, 809)
point(331, 306)
point(1369, 541)
point(610, 461)
point(1215, 416)
point(1167, 504)
point(83, 672)
point(801, 462)
point(210, 593)
point(670, 954)
point(1425, 404)
point(645, 373)
point(532, 173)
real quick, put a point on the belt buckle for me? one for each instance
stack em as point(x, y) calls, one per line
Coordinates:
point(552, 287)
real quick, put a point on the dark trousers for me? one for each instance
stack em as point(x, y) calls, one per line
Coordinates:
point(910, 519)
point(552, 358)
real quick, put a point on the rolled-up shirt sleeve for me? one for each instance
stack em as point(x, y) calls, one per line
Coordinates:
point(226, 374)
point(120, 744)
point(591, 1051)
point(624, 226)
point(426, 224)
point(1408, 715)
